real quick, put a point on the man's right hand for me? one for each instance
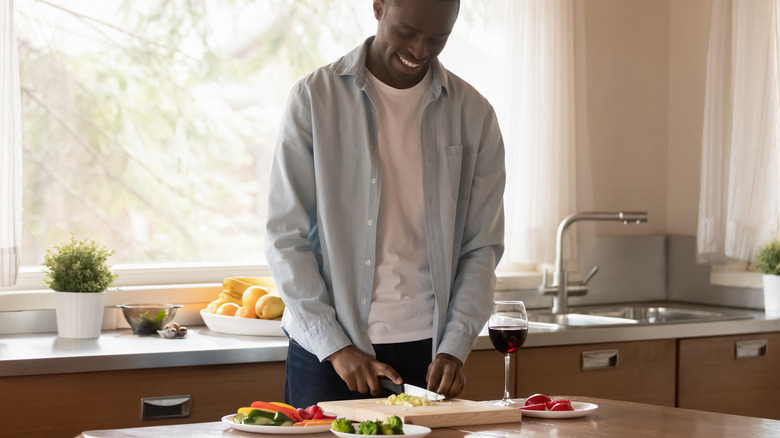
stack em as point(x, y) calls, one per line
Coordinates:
point(360, 370)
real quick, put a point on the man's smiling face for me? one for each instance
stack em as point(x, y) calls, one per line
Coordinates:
point(410, 34)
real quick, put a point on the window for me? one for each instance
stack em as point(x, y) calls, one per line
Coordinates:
point(151, 126)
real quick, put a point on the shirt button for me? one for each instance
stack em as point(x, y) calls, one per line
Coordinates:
point(363, 302)
point(370, 222)
point(368, 262)
point(373, 180)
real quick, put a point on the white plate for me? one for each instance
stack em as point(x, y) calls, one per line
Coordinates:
point(410, 431)
point(581, 409)
point(242, 326)
point(277, 430)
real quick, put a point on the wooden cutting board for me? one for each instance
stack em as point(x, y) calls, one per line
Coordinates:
point(453, 412)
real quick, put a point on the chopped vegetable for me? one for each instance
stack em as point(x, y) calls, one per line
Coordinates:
point(287, 410)
point(405, 399)
point(394, 424)
point(342, 425)
point(368, 427)
point(320, 422)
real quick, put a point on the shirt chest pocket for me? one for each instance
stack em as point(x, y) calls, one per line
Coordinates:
point(460, 166)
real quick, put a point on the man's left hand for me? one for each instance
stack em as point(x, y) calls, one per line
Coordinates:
point(445, 375)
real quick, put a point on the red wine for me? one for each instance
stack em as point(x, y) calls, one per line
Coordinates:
point(507, 339)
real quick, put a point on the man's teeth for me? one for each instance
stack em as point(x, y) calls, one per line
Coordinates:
point(409, 63)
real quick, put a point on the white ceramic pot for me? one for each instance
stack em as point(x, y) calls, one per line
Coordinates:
point(772, 295)
point(80, 314)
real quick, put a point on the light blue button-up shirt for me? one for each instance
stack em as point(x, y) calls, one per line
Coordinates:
point(324, 198)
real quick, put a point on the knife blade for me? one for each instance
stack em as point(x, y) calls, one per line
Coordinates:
point(412, 390)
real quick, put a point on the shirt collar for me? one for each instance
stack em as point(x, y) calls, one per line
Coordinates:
point(354, 64)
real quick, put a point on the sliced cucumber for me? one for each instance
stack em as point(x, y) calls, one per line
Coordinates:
point(239, 418)
point(259, 420)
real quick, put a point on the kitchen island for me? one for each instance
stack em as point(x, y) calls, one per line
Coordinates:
point(613, 418)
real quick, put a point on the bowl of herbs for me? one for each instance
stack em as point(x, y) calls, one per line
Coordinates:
point(146, 319)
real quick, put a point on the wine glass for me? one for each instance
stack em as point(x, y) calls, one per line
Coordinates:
point(508, 328)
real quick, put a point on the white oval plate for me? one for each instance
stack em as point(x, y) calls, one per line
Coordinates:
point(410, 431)
point(581, 409)
point(278, 430)
point(242, 326)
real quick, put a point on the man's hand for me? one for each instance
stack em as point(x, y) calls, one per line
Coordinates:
point(445, 375)
point(360, 370)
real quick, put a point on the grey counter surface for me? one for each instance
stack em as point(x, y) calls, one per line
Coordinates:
point(46, 353)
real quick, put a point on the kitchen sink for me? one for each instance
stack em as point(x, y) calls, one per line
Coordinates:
point(545, 317)
point(634, 314)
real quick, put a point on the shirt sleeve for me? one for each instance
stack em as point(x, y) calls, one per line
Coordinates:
point(291, 234)
point(482, 246)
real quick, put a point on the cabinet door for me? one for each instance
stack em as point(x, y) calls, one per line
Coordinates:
point(68, 404)
point(713, 378)
point(631, 371)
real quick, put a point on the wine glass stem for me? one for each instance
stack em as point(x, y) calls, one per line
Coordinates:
point(506, 377)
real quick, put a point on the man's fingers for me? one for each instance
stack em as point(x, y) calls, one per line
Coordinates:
point(383, 369)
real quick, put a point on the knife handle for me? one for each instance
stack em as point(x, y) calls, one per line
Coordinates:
point(391, 386)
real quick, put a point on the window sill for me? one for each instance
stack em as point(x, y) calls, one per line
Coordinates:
point(518, 280)
point(741, 279)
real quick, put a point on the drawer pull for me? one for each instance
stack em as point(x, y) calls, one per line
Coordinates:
point(753, 348)
point(599, 359)
point(174, 406)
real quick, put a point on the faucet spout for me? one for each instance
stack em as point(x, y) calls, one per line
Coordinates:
point(561, 285)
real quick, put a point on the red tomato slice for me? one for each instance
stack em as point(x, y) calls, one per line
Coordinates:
point(537, 398)
point(304, 415)
point(536, 407)
point(562, 407)
point(552, 403)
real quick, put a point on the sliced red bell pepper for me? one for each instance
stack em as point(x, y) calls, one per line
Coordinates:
point(278, 407)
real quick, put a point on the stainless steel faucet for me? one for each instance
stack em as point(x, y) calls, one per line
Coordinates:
point(561, 288)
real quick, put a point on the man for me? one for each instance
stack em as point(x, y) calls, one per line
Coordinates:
point(385, 214)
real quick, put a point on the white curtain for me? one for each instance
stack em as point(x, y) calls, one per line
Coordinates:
point(546, 140)
point(10, 150)
point(740, 197)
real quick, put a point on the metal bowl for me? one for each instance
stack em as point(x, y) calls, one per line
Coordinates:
point(146, 319)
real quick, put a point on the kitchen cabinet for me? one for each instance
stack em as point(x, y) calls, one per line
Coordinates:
point(484, 371)
point(731, 374)
point(642, 371)
point(66, 404)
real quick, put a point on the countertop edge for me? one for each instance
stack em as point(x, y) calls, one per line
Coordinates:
point(39, 354)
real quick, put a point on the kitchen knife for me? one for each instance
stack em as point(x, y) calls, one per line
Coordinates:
point(412, 390)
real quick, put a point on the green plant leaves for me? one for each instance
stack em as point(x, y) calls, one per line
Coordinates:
point(78, 266)
point(768, 259)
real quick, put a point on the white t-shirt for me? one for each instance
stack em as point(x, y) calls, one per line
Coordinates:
point(402, 303)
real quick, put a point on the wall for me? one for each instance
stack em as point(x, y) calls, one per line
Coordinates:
point(627, 70)
point(645, 68)
point(689, 29)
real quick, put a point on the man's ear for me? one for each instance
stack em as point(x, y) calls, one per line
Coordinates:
point(379, 7)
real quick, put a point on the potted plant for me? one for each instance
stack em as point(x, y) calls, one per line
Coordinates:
point(768, 263)
point(79, 274)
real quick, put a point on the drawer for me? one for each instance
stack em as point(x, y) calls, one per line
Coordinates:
point(731, 374)
point(631, 371)
point(67, 404)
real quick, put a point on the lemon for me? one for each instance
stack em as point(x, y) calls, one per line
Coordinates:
point(269, 307)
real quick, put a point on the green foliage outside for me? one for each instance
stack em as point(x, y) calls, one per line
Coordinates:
point(78, 266)
point(768, 259)
point(153, 126)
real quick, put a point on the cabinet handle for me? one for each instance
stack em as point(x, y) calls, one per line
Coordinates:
point(598, 359)
point(752, 348)
point(154, 408)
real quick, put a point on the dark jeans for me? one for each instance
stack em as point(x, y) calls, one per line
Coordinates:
point(309, 381)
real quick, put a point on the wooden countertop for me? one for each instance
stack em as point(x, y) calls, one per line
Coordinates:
point(612, 419)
